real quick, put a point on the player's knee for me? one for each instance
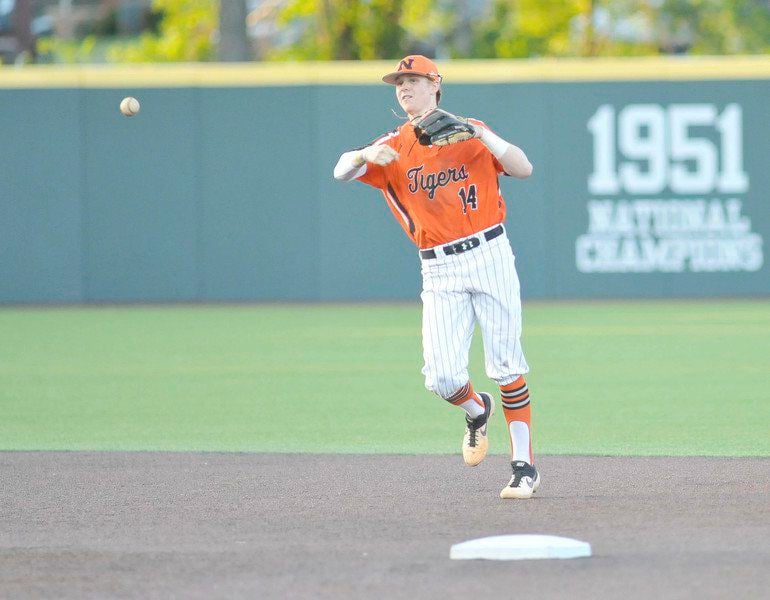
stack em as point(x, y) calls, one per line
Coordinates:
point(444, 385)
point(508, 379)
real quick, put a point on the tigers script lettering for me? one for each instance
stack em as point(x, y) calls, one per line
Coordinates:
point(430, 182)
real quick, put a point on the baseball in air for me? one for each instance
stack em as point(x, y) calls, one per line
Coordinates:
point(130, 106)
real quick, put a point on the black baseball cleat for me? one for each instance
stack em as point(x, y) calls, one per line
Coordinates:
point(524, 482)
point(475, 442)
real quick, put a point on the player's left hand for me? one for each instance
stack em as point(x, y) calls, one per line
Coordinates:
point(440, 128)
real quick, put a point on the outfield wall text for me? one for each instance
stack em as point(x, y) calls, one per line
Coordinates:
point(641, 189)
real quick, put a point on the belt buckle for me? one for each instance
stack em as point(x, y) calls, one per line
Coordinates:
point(467, 244)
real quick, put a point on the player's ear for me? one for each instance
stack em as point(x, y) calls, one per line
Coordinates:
point(437, 89)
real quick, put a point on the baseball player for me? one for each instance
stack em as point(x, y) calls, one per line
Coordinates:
point(439, 176)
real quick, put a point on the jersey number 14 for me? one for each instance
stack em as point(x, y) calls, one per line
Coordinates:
point(468, 197)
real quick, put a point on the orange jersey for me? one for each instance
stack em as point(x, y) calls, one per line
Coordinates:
point(439, 193)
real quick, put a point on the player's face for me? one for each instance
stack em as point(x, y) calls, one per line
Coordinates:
point(415, 94)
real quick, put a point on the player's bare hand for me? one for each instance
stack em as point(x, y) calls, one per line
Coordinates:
point(381, 154)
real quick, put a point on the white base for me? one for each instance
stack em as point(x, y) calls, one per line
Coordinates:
point(520, 547)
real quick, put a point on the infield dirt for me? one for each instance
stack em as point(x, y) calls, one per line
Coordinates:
point(195, 525)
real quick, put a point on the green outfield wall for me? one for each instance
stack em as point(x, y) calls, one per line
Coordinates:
point(651, 179)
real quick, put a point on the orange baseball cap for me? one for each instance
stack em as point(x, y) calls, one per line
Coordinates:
point(414, 64)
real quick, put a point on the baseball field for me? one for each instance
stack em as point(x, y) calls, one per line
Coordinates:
point(292, 451)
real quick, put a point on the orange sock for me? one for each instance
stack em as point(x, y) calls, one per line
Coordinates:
point(515, 400)
point(468, 400)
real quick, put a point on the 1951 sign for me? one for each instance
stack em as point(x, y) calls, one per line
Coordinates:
point(666, 189)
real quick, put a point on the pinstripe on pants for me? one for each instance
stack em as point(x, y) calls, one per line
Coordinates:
point(480, 285)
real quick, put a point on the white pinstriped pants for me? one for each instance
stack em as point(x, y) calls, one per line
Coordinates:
point(480, 285)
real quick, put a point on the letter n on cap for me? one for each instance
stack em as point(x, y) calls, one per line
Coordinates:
point(405, 64)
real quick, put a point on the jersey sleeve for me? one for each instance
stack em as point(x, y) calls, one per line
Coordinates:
point(498, 165)
point(376, 175)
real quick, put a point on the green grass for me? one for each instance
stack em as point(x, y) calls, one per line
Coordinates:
point(643, 378)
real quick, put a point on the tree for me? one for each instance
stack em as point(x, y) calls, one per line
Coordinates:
point(523, 28)
point(186, 33)
point(233, 40)
point(561, 28)
point(715, 26)
point(353, 29)
point(390, 29)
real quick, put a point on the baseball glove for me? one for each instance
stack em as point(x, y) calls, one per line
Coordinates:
point(441, 128)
